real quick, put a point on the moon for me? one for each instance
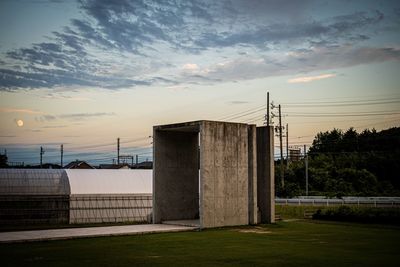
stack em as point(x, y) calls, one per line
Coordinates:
point(20, 123)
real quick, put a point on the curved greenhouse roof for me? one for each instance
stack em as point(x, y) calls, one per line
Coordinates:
point(33, 182)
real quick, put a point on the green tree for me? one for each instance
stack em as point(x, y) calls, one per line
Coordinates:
point(349, 163)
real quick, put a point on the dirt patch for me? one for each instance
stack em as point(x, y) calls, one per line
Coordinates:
point(254, 230)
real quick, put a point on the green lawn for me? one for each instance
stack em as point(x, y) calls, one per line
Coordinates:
point(299, 243)
point(291, 212)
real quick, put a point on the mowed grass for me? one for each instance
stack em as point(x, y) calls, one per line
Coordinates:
point(299, 243)
point(292, 212)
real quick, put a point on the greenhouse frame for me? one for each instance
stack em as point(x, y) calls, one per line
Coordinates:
point(43, 196)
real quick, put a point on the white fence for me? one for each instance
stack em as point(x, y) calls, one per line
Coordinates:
point(380, 202)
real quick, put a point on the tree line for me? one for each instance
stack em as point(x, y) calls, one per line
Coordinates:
point(347, 163)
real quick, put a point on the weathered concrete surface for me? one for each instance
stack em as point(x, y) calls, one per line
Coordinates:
point(71, 233)
point(265, 174)
point(252, 182)
point(191, 223)
point(175, 175)
point(228, 173)
point(224, 174)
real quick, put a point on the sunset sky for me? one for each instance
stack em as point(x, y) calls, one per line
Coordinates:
point(83, 73)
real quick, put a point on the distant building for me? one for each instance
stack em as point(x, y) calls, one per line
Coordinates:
point(144, 165)
point(15, 164)
point(44, 166)
point(114, 166)
point(3, 161)
point(294, 154)
point(50, 166)
point(78, 164)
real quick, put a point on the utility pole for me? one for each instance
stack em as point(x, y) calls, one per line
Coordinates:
point(267, 116)
point(287, 146)
point(62, 155)
point(281, 147)
point(118, 151)
point(41, 156)
point(306, 167)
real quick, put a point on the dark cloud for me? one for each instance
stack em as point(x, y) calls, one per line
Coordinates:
point(11, 80)
point(70, 116)
point(82, 116)
point(90, 35)
point(343, 27)
point(298, 62)
point(347, 56)
point(45, 118)
point(238, 102)
point(54, 126)
point(72, 40)
point(89, 51)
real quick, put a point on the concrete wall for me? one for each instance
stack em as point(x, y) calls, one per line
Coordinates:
point(224, 174)
point(265, 174)
point(236, 173)
point(252, 170)
point(175, 175)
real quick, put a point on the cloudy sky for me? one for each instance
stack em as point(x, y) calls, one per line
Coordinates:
point(82, 73)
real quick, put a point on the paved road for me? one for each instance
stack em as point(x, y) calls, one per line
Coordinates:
point(70, 233)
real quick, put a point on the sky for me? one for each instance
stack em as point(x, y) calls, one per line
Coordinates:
point(83, 73)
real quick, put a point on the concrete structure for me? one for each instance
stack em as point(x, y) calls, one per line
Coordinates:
point(223, 158)
point(265, 174)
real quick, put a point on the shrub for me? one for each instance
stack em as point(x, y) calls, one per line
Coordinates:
point(360, 214)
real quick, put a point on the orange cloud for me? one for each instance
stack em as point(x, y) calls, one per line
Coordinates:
point(308, 79)
point(16, 110)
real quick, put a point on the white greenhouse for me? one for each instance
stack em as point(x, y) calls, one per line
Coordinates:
point(29, 196)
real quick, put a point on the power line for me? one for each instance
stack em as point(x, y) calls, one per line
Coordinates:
point(340, 104)
point(228, 117)
point(340, 113)
point(107, 144)
point(341, 101)
point(246, 114)
point(318, 115)
point(343, 115)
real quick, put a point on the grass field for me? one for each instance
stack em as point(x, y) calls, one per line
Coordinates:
point(292, 212)
point(299, 243)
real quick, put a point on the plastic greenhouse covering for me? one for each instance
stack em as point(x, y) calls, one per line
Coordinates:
point(33, 182)
point(31, 196)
